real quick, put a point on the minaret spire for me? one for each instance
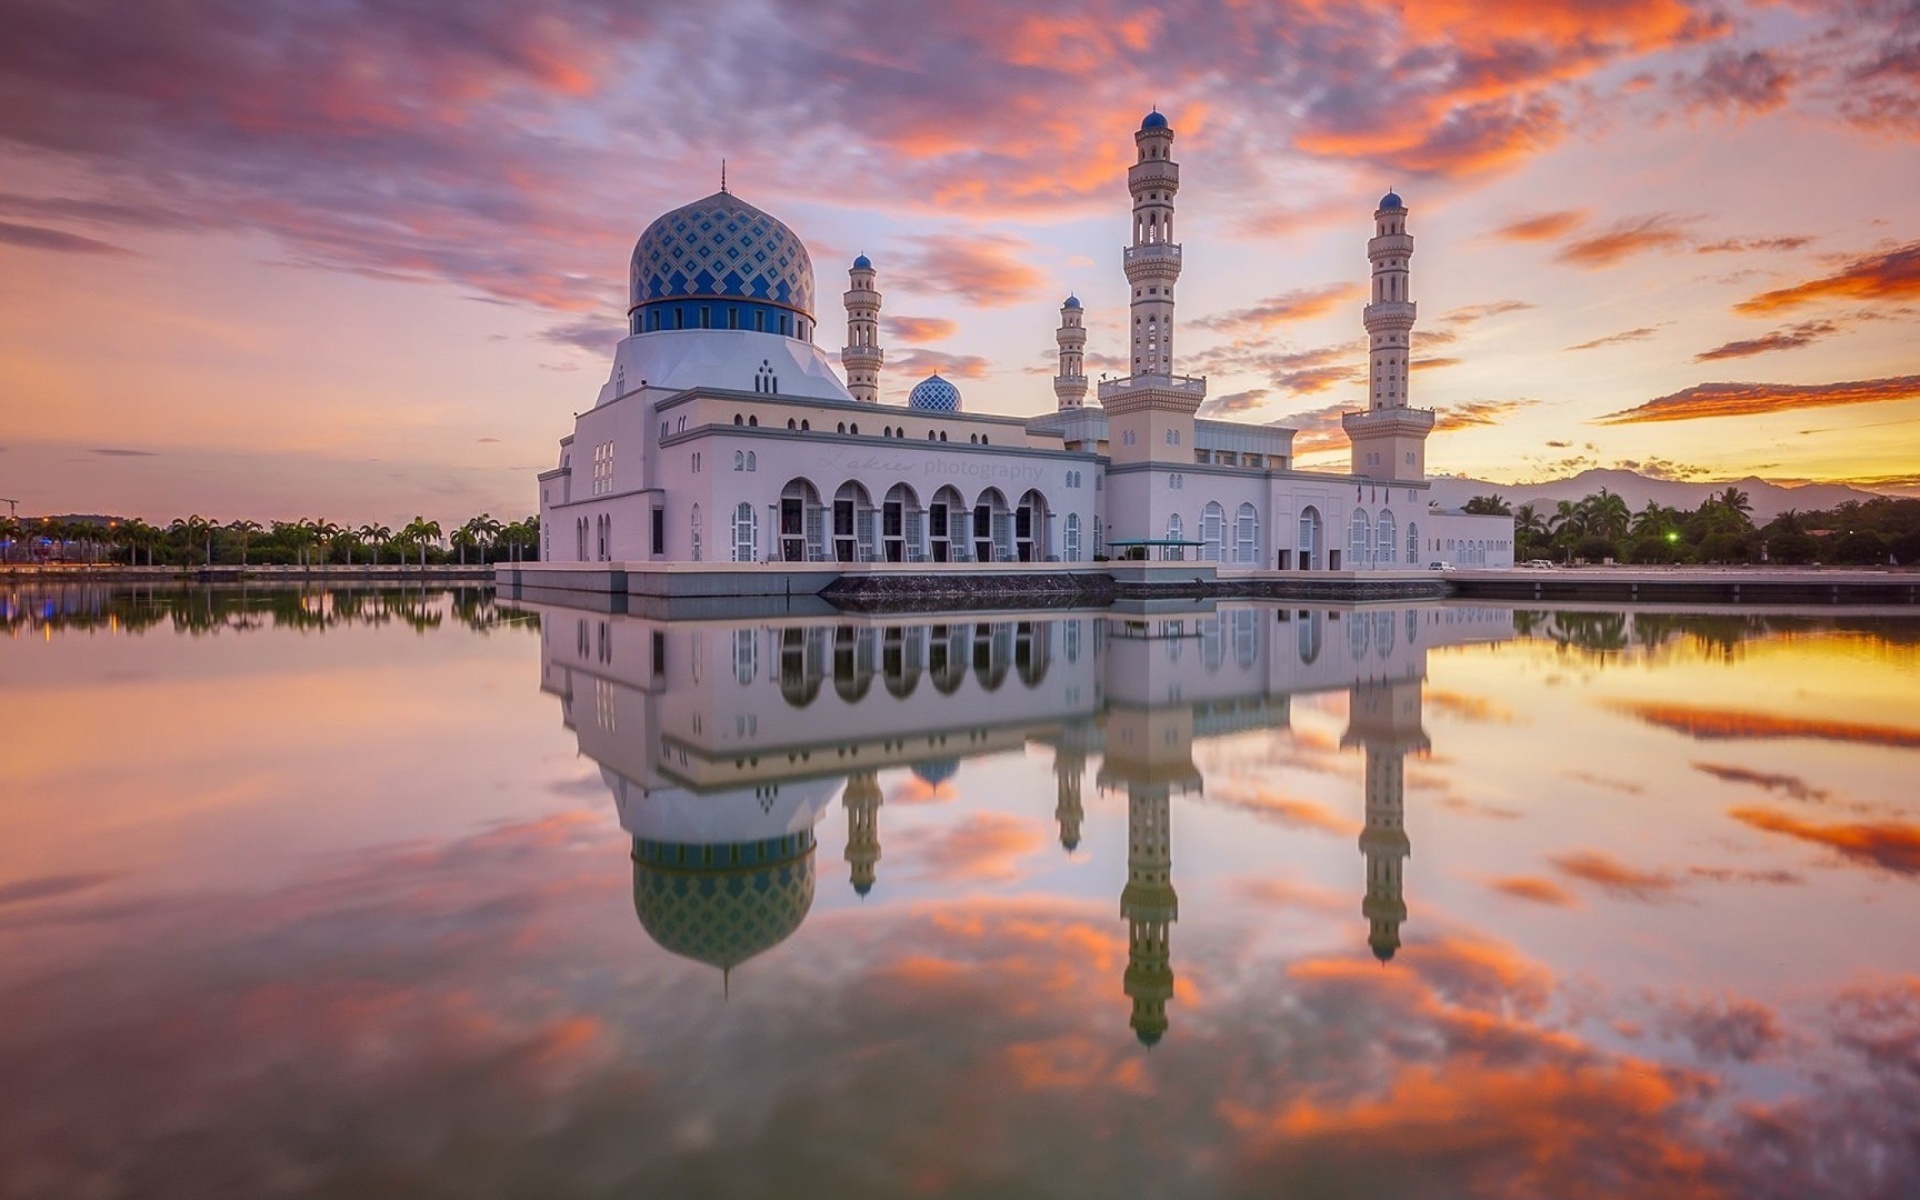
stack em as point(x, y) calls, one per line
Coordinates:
point(862, 356)
point(723, 178)
point(1070, 385)
point(1389, 439)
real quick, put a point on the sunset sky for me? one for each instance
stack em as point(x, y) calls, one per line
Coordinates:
point(365, 259)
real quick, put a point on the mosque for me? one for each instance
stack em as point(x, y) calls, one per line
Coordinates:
point(723, 434)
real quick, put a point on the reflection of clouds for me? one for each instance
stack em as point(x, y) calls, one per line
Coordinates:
point(1479, 709)
point(985, 847)
point(1890, 845)
point(1270, 803)
point(1292, 894)
point(1724, 1028)
point(1626, 882)
point(1718, 724)
point(1536, 889)
point(482, 1017)
point(1791, 785)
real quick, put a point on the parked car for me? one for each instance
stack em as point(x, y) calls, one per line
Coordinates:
point(1439, 565)
point(1539, 564)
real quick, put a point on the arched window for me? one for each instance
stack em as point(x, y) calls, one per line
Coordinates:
point(738, 419)
point(854, 427)
point(792, 424)
point(754, 422)
point(1413, 545)
point(1246, 536)
point(1310, 534)
point(1073, 537)
point(1176, 530)
point(1385, 536)
point(1359, 537)
point(746, 529)
point(696, 533)
point(753, 463)
point(1213, 531)
point(842, 428)
point(739, 460)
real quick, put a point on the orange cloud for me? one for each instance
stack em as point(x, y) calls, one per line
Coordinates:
point(1891, 845)
point(1893, 276)
point(1760, 399)
point(1475, 413)
point(991, 270)
point(1541, 227)
point(1300, 304)
point(1535, 889)
point(921, 329)
point(1471, 313)
point(1718, 724)
point(1626, 238)
point(927, 362)
point(1615, 339)
point(1792, 338)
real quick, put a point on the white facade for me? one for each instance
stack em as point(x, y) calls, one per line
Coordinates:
point(723, 434)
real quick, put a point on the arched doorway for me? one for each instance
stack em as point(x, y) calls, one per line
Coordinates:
point(901, 523)
point(1030, 528)
point(802, 523)
point(947, 527)
point(746, 532)
point(1311, 534)
point(852, 524)
point(992, 528)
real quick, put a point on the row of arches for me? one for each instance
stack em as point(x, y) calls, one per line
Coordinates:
point(1221, 542)
point(803, 527)
point(899, 657)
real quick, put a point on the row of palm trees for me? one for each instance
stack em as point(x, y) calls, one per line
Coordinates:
point(195, 541)
point(1603, 526)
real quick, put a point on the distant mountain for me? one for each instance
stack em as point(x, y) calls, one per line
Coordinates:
point(1769, 499)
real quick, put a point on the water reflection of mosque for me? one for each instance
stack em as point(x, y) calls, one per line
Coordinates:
point(725, 742)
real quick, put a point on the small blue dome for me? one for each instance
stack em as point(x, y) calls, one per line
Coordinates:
point(934, 394)
point(1391, 200)
point(937, 772)
point(1154, 120)
point(863, 263)
point(1072, 302)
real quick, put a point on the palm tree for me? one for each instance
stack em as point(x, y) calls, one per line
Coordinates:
point(1492, 506)
point(1608, 515)
point(1736, 503)
point(189, 530)
point(244, 530)
point(375, 536)
point(1529, 528)
point(419, 532)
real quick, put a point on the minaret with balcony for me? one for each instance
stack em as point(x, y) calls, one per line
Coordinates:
point(862, 356)
point(1389, 439)
point(1384, 720)
point(1150, 412)
point(862, 801)
point(1069, 769)
point(1070, 385)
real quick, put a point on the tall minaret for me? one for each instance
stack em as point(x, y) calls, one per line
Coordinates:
point(862, 800)
point(1150, 412)
point(1389, 439)
point(1070, 385)
point(1384, 719)
point(862, 355)
point(1153, 260)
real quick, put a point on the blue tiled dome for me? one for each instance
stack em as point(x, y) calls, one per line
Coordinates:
point(934, 394)
point(1154, 120)
point(1391, 200)
point(863, 263)
point(724, 248)
point(1073, 302)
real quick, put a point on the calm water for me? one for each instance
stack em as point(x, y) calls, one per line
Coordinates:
point(413, 894)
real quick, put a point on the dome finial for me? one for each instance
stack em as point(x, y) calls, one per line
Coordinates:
point(723, 178)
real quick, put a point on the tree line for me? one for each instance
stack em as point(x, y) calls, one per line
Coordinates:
point(196, 541)
point(1601, 526)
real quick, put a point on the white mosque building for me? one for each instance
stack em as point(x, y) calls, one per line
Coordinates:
point(725, 435)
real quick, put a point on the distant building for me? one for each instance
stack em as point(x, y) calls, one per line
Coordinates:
point(724, 434)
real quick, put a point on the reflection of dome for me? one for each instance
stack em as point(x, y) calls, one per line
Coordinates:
point(722, 248)
point(722, 905)
point(1391, 200)
point(1383, 951)
point(935, 773)
point(934, 394)
point(1149, 1037)
point(1154, 120)
point(863, 263)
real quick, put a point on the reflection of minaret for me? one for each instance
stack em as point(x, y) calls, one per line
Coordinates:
point(862, 800)
point(1069, 766)
point(1384, 718)
point(1151, 751)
